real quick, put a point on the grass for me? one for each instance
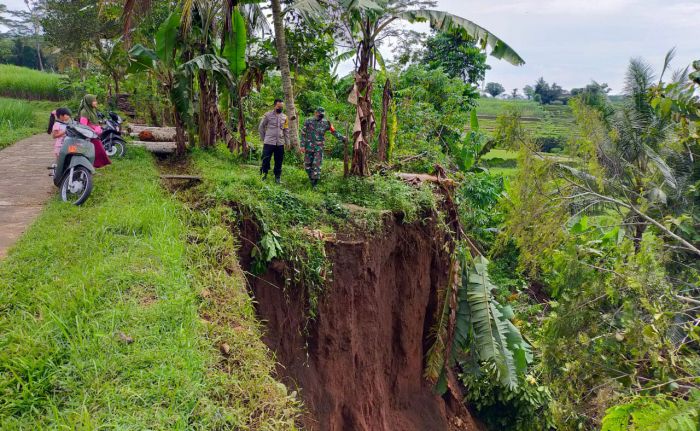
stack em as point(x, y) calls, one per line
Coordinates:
point(28, 84)
point(112, 316)
point(20, 119)
point(295, 204)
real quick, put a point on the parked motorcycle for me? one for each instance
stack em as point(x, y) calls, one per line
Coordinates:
point(111, 136)
point(73, 170)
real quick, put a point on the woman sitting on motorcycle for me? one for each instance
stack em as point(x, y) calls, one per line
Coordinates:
point(88, 116)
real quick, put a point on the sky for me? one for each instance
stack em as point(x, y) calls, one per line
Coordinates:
point(572, 42)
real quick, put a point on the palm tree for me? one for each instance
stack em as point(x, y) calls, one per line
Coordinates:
point(362, 25)
point(283, 61)
point(633, 146)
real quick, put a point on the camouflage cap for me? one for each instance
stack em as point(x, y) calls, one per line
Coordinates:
point(320, 110)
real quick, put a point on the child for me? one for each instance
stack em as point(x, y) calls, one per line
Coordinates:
point(57, 127)
point(87, 114)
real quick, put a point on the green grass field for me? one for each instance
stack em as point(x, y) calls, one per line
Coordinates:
point(28, 84)
point(20, 119)
point(296, 203)
point(113, 314)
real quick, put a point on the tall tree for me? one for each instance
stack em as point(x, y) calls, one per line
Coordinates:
point(27, 23)
point(283, 62)
point(363, 24)
point(494, 89)
point(457, 55)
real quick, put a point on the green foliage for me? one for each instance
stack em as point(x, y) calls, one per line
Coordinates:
point(494, 89)
point(22, 51)
point(658, 413)
point(477, 326)
point(493, 336)
point(525, 210)
point(549, 126)
point(547, 94)
point(22, 83)
point(235, 47)
point(467, 151)
point(477, 197)
point(20, 119)
point(458, 56)
point(267, 249)
point(523, 408)
point(446, 22)
point(166, 38)
point(78, 26)
point(433, 112)
point(15, 114)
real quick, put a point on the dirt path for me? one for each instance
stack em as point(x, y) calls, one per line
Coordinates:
point(24, 186)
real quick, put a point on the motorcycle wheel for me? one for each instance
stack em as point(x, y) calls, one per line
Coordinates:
point(115, 148)
point(76, 188)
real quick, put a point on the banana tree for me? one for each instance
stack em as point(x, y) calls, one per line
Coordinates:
point(174, 74)
point(362, 24)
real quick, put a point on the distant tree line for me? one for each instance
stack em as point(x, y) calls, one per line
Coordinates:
point(546, 94)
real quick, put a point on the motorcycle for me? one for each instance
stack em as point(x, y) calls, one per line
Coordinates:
point(111, 136)
point(73, 170)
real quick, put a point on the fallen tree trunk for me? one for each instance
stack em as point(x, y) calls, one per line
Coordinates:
point(156, 147)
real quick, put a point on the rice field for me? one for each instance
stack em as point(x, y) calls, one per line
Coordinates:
point(541, 121)
point(29, 84)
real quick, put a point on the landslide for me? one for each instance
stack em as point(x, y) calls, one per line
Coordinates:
point(359, 364)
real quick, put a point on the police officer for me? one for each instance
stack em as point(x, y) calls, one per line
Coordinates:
point(274, 133)
point(313, 137)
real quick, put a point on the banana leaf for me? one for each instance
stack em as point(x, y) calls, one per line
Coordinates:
point(141, 59)
point(166, 38)
point(493, 337)
point(235, 45)
point(211, 63)
point(446, 22)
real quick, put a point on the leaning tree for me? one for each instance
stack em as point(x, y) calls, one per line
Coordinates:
point(363, 24)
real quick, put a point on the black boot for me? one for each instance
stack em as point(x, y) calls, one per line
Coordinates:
point(278, 180)
point(314, 183)
point(264, 175)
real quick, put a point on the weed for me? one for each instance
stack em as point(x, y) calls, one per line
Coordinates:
point(20, 119)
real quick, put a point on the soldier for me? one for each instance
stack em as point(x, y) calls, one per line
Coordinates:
point(274, 132)
point(313, 136)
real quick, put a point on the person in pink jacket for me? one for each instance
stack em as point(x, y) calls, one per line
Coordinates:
point(57, 127)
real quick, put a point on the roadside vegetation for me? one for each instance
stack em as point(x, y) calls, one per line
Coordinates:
point(121, 320)
point(20, 119)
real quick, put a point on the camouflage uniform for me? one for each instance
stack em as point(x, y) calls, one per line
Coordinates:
point(313, 138)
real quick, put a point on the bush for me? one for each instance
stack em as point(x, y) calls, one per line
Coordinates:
point(549, 144)
point(29, 84)
point(19, 119)
point(525, 408)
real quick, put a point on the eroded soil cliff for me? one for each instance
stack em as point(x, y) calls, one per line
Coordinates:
point(359, 366)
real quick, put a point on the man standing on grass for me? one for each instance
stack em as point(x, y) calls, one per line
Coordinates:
point(313, 137)
point(274, 133)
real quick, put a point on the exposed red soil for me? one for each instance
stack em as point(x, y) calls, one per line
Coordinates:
point(361, 365)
